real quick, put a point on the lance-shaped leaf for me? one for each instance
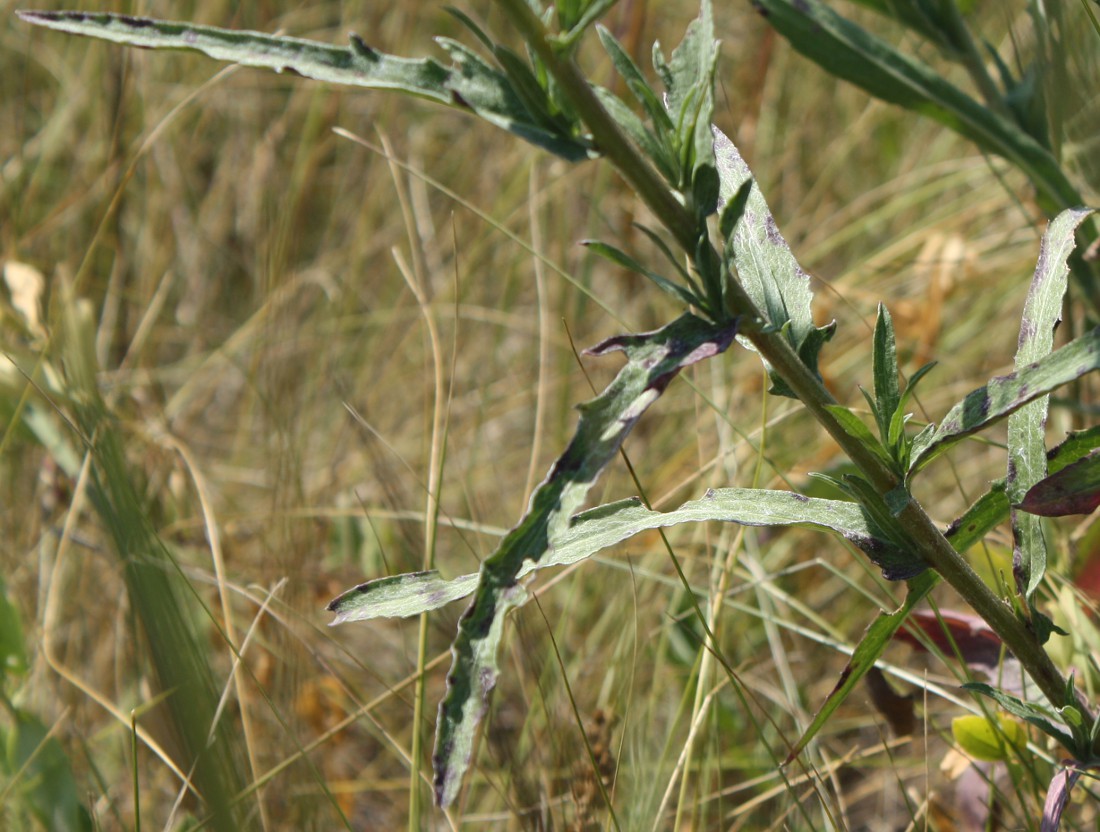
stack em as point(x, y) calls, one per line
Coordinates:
point(1006, 394)
point(989, 511)
point(767, 269)
point(1058, 794)
point(603, 527)
point(1027, 454)
point(470, 83)
point(653, 360)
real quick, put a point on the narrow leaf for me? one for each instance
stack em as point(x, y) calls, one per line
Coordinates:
point(884, 363)
point(865, 655)
point(603, 527)
point(635, 81)
point(1077, 445)
point(847, 51)
point(1027, 461)
point(469, 84)
point(855, 428)
point(982, 517)
point(400, 596)
point(1006, 394)
point(653, 360)
point(621, 258)
point(1038, 716)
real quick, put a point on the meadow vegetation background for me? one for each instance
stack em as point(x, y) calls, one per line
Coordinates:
point(260, 289)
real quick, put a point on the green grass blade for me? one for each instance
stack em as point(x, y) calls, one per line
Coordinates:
point(470, 83)
point(156, 590)
point(1027, 453)
point(849, 52)
point(653, 360)
point(1006, 394)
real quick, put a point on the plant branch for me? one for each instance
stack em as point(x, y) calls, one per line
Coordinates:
point(923, 535)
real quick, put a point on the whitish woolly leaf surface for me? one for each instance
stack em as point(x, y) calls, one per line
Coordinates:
point(1006, 394)
point(653, 360)
point(1027, 453)
point(767, 269)
point(600, 528)
point(469, 83)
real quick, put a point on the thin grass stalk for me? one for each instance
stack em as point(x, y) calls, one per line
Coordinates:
point(416, 279)
point(922, 533)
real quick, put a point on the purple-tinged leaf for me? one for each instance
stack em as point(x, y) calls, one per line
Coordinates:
point(1075, 489)
point(896, 709)
point(1006, 394)
point(1058, 796)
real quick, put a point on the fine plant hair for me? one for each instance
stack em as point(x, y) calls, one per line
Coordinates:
point(738, 287)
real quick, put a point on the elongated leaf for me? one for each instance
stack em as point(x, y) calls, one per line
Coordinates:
point(988, 512)
point(867, 652)
point(844, 49)
point(653, 360)
point(1058, 797)
point(1006, 394)
point(157, 591)
point(469, 84)
point(885, 371)
point(621, 258)
point(1041, 717)
point(855, 428)
point(767, 269)
point(1077, 445)
point(1027, 456)
point(635, 81)
point(600, 528)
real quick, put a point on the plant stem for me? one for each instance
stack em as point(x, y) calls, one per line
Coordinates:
point(925, 538)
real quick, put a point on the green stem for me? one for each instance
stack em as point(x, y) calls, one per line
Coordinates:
point(926, 539)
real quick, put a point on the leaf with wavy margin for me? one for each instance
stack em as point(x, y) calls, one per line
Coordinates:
point(469, 83)
point(653, 360)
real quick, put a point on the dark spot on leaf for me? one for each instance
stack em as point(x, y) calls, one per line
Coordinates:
point(136, 22)
point(360, 48)
point(802, 498)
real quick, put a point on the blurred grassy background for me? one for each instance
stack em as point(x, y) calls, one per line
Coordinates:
point(270, 374)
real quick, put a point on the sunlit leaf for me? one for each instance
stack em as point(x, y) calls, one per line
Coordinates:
point(982, 740)
point(1006, 394)
point(470, 83)
point(765, 266)
point(1027, 457)
point(603, 527)
point(653, 360)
